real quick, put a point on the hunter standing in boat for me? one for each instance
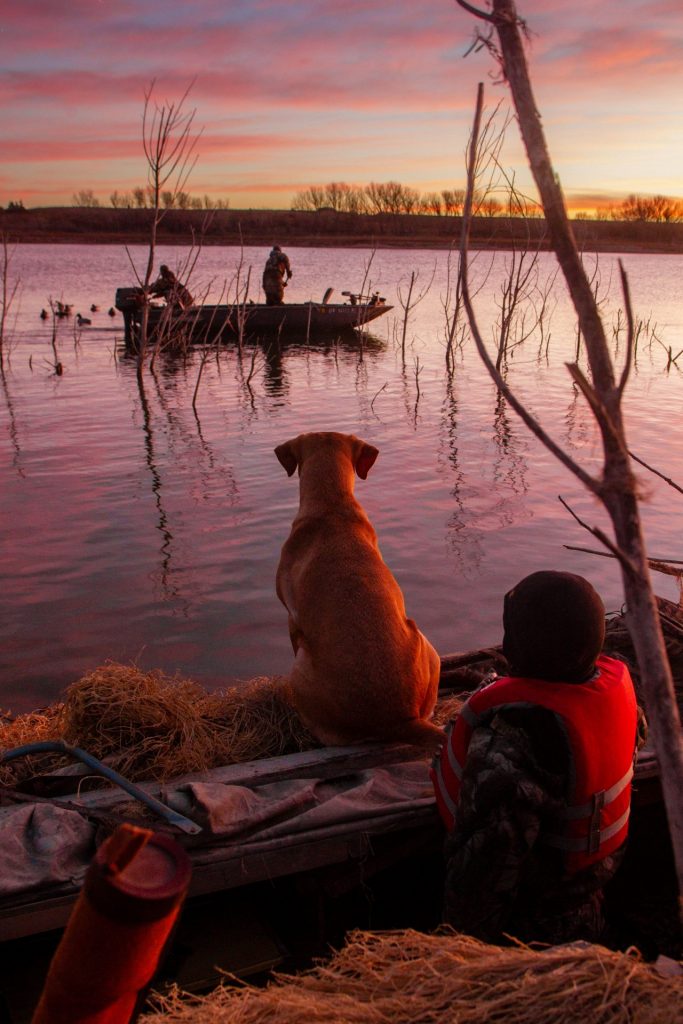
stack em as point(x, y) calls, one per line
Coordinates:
point(534, 780)
point(276, 273)
point(168, 287)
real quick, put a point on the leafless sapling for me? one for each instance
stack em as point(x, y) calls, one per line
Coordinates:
point(616, 486)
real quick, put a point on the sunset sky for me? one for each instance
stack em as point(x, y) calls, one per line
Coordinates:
point(312, 91)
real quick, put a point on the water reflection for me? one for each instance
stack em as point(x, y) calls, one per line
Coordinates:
point(579, 426)
point(465, 543)
point(193, 457)
point(169, 589)
point(12, 425)
point(509, 464)
point(274, 376)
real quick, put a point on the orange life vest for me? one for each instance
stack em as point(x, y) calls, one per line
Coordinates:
point(599, 719)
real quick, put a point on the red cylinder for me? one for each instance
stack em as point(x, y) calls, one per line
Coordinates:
point(117, 931)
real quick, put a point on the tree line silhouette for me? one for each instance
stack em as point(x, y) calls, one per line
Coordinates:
point(141, 198)
point(389, 197)
point(393, 197)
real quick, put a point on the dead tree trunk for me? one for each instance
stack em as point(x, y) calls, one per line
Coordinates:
point(617, 487)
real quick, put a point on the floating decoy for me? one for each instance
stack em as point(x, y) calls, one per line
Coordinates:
point(44, 314)
point(112, 311)
point(94, 308)
point(82, 321)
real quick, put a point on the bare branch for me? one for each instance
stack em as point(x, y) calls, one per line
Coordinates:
point(626, 562)
point(656, 472)
point(663, 565)
point(631, 329)
point(484, 15)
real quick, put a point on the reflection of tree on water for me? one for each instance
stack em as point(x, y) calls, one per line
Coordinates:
point(361, 384)
point(481, 507)
point(190, 448)
point(209, 467)
point(170, 591)
point(12, 425)
point(464, 542)
point(264, 358)
point(509, 466)
point(578, 429)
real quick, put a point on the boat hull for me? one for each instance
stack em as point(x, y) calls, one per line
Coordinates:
point(208, 323)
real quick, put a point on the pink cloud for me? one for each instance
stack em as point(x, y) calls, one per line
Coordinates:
point(274, 80)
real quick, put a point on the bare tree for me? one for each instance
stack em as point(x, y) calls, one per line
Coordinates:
point(655, 208)
point(391, 197)
point(169, 148)
point(85, 197)
point(616, 487)
point(121, 200)
point(432, 202)
point(8, 290)
point(409, 301)
point(453, 200)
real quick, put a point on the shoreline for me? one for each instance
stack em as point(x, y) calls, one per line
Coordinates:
point(325, 229)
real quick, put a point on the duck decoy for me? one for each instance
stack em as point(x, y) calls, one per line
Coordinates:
point(82, 321)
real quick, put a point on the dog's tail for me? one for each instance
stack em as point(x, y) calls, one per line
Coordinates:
point(421, 734)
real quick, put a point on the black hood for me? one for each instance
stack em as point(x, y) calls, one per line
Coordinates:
point(554, 625)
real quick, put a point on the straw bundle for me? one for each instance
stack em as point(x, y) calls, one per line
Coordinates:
point(410, 978)
point(150, 726)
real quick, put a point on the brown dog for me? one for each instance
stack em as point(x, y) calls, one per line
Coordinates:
point(362, 669)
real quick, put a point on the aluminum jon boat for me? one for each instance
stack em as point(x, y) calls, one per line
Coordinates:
point(207, 323)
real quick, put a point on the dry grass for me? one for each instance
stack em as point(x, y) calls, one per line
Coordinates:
point(410, 978)
point(150, 726)
point(32, 728)
point(447, 709)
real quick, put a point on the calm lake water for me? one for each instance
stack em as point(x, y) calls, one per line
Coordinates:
point(133, 530)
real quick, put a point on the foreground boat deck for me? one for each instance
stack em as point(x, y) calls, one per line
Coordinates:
point(294, 852)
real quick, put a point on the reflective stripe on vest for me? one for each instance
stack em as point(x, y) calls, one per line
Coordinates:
point(599, 719)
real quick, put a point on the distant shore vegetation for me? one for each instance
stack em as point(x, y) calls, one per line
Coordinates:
point(338, 214)
point(386, 197)
point(393, 197)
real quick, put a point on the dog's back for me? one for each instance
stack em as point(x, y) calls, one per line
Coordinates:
point(362, 669)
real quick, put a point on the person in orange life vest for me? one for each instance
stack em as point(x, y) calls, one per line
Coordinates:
point(533, 781)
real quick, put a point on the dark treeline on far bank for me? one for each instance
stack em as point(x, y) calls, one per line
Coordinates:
point(323, 228)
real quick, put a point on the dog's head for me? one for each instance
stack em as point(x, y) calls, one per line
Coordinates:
point(292, 454)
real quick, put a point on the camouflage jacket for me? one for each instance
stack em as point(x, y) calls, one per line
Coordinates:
point(278, 262)
point(500, 880)
point(172, 291)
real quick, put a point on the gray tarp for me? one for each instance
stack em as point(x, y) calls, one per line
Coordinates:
point(42, 844)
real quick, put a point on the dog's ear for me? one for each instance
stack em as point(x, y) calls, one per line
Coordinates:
point(365, 459)
point(286, 457)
